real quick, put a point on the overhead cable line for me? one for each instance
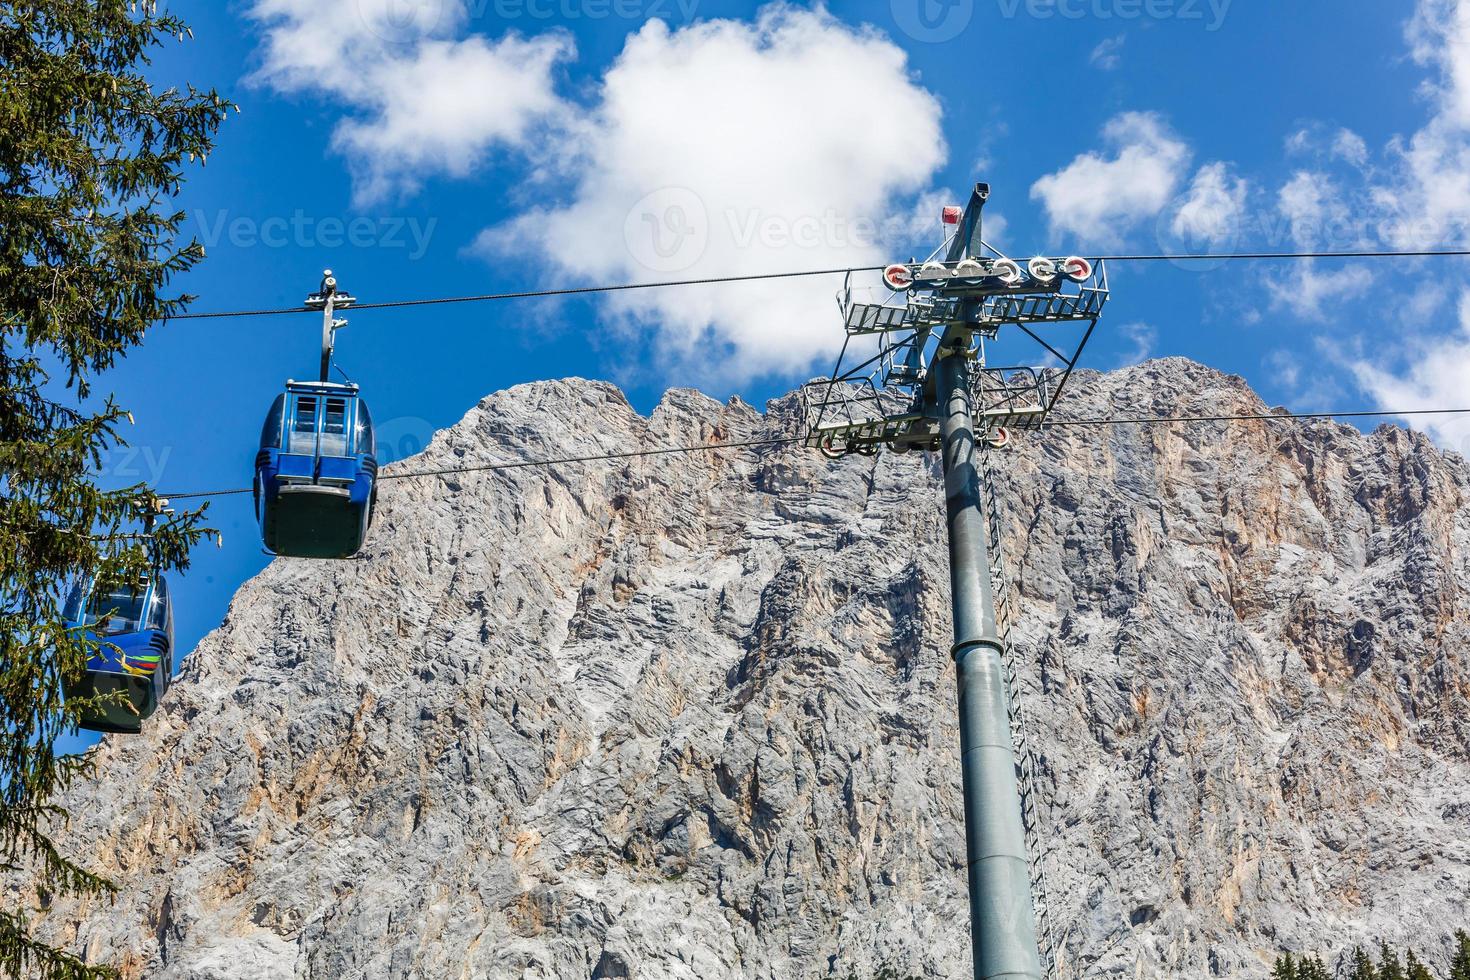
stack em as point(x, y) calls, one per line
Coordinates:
point(629, 454)
point(542, 293)
point(525, 463)
point(1260, 256)
point(1261, 416)
point(753, 277)
point(788, 440)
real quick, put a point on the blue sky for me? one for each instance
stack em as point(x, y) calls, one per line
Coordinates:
point(435, 147)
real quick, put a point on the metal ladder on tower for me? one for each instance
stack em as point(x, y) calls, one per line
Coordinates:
point(1005, 607)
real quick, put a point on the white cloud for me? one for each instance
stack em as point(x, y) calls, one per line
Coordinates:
point(734, 148)
point(1439, 35)
point(921, 227)
point(995, 229)
point(1432, 200)
point(1108, 53)
point(443, 108)
point(1100, 197)
point(1418, 197)
point(1317, 218)
point(723, 148)
point(1211, 209)
point(323, 44)
point(1298, 377)
point(1306, 292)
point(1438, 377)
point(1315, 139)
point(1286, 369)
point(424, 102)
point(1430, 197)
point(994, 133)
point(1348, 145)
point(1298, 142)
point(1141, 338)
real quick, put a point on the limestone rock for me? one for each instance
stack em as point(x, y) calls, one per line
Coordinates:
point(692, 716)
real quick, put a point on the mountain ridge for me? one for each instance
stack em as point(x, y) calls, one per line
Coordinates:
point(692, 715)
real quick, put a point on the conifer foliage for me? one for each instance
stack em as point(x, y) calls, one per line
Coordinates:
point(1360, 965)
point(91, 157)
point(1460, 965)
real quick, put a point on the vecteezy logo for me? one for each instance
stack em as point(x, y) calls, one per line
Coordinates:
point(668, 230)
point(932, 21)
point(401, 21)
point(402, 437)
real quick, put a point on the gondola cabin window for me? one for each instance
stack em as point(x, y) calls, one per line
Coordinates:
point(366, 441)
point(303, 432)
point(334, 428)
point(160, 613)
point(120, 611)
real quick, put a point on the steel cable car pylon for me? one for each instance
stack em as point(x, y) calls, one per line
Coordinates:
point(316, 469)
point(931, 386)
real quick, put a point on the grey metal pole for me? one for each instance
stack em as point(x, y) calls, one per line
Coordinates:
point(328, 325)
point(330, 299)
point(1002, 923)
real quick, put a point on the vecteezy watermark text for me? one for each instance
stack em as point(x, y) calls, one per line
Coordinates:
point(937, 21)
point(670, 229)
point(134, 464)
point(1211, 13)
point(932, 21)
point(402, 437)
point(588, 9)
point(410, 21)
point(302, 230)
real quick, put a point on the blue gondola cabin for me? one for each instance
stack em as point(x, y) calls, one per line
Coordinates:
point(133, 629)
point(316, 472)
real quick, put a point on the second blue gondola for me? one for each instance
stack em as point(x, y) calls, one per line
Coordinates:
point(133, 627)
point(316, 471)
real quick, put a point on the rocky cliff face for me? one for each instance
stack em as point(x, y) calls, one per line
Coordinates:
point(693, 716)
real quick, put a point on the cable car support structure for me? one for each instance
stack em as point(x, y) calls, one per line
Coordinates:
point(930, 385)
